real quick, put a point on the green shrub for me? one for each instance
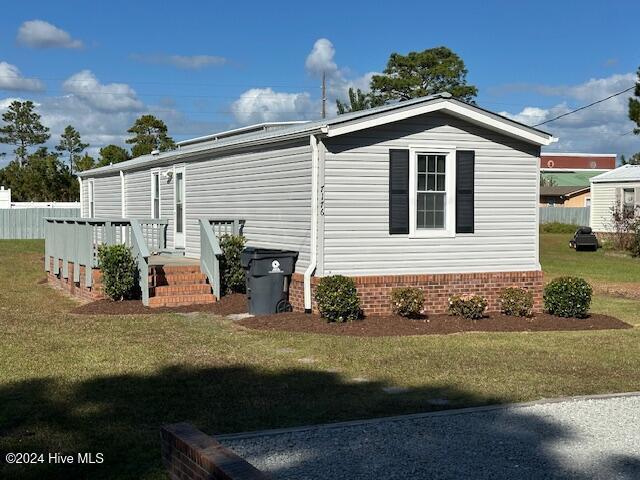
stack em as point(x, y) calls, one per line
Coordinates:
point(337, 299)
point(407, 301)
point(467, 306)
point(517, 302)
point(556, 227)
point(231, 271)
point(568, 297)
point(119, 271)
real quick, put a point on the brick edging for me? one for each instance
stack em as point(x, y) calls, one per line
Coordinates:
point(188, 454)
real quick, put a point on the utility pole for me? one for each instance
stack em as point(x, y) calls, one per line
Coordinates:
point(324, 96)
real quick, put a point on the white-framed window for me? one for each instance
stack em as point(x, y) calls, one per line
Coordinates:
point(628, 200)
point(155, 194)
point(587, 202)
point(432, 173)
point(92, 211)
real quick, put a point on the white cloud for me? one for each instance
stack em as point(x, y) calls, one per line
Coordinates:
point(41, 34)
point(107, 97)
point(598, 129)
point(265, 105)
point(12, 79)
point(189, 62)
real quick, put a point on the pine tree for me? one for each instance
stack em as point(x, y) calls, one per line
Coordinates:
point(149, 133)
point(23, 129)
point(71, 143)
point(634, 105)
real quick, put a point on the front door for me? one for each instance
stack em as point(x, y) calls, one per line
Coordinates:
point(179, 210)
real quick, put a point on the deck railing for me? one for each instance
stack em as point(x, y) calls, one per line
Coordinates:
point(76, 240)
point(211, 229)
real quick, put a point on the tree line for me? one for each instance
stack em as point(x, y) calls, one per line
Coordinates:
point(44, 175)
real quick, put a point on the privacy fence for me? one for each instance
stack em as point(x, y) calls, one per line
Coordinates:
point(570, 215)
point(26, 223)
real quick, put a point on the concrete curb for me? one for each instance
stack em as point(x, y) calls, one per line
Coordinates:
point(415, 416)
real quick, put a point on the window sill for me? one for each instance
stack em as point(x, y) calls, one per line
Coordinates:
point(432, 234)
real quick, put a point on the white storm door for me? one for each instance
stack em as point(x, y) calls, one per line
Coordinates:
point(179, 208)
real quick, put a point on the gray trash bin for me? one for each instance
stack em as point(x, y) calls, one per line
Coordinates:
point(267, 271)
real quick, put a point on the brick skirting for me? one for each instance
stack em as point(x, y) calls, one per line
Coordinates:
point(189, 454)
point(78, 289)
point(374, 291)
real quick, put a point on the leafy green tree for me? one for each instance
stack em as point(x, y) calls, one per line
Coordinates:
point(149, 133)
point(632, 160)
point(634, 105)
point(22, 128)
point(418, 74)
point(41, 178)
point(71, 143)
point(85, 162)
point(112, 154)
point(357, 101)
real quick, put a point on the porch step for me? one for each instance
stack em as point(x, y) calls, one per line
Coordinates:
point(173, 285)
point(181, 300)
point(173, 269)
point(172, 290)
point(159, 280)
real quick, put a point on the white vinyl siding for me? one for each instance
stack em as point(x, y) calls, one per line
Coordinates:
point(270, 189)
point(138, 194)
point(107, 196)
point(356, 228)
point(603, 199)
point(85, 198)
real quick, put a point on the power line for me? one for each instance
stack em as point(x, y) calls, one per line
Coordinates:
point(585, 106)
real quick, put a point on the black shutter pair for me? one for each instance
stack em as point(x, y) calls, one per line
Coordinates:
point(399, 191)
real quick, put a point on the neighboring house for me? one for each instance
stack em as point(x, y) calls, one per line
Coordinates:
point(7, 203)
point(619, 187)
point(431, 192)
point(565, 196)
point(571, 170)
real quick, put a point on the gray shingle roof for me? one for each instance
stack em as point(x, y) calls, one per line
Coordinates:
point(292, 132)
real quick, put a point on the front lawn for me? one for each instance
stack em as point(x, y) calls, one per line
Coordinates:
point(72, 383)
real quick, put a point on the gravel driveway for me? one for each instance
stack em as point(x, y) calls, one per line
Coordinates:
point(582, 438)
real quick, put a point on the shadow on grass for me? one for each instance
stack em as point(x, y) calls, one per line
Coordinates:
point(120, 416)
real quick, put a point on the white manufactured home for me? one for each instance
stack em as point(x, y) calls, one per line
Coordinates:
point(431, 192)
point(619, 188)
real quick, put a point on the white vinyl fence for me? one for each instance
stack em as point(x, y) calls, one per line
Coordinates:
point(570, 215)
point(28, 223)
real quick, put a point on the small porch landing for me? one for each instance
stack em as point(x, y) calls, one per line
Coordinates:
point(175, 281)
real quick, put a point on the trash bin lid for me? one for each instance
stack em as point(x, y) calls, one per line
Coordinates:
point(259, 253)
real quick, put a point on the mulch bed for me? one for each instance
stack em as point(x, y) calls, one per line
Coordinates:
point(229, 304)
point(379, 326)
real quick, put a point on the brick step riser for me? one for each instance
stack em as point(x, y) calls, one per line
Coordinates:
point(174, 270)
point(181, 300)
point(174, 290)
point(188, 279)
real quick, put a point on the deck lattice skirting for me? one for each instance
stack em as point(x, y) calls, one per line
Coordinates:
point(375, 290)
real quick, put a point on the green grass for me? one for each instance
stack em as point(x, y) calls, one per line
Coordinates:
point(105, 384)
point(601, 266)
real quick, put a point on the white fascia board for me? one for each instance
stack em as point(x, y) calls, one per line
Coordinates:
point(459, 110)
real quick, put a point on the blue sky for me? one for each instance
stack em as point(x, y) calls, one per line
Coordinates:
point(206, 66)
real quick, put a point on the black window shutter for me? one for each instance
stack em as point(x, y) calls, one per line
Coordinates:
point(465, 179)
point(398, 191)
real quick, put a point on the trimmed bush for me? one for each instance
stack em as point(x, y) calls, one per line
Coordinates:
point(231, 271)
point(119, 271)
point(568, 297)
point(337, 299)
point(517, 302)
point(407, 301)
point(467, 306)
